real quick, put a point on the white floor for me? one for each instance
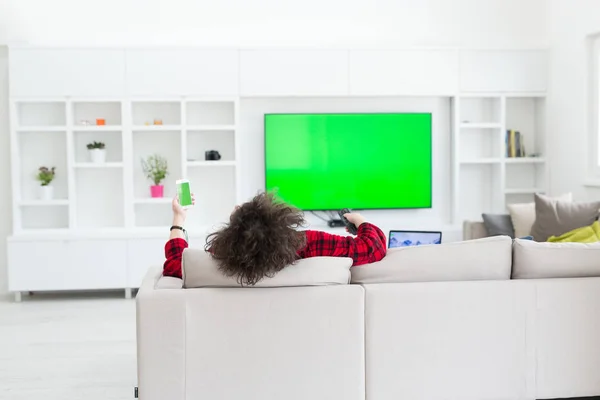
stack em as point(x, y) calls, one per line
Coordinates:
point(57, 348)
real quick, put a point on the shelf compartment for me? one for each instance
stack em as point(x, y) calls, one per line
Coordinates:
point(215, 190)
point(112, 139)
point(479, 191)
point(37, 149)
point(481, 125)
point(480, 143)
point(100, 200)
point(476, 161)
point(523, 191)
point(153, 200)
point(198, 142)
point(90, 165)
point(480, 110)
point(44, 203)
point(45, 217)
point(89, 111)
point(525, 160)
point(155, 128)
point(145, 112)
point(165, 144)
point(209, 164)
point(526, 115)
point(150, 215)
point(210, 113)
point(525, 178)
point(39, 114)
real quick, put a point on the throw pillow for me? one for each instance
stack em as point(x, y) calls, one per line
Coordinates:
point(532, 260)
point(523, 215)
point(554, 217)
point(472, 260)
point(201, 270)
point(498, 225)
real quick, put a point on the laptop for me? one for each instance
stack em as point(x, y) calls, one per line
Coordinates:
point(413, 238)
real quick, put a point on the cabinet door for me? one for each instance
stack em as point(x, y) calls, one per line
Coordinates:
point(293, 72)
point(96, 264)
point(177, 72)
point(65, 72)
point(143, 254)
point(403, 72)
point(503, 71)
point(36, 265)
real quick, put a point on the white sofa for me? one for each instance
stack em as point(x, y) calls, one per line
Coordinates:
point(484, 339)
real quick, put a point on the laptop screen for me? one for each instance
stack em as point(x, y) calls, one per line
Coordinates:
point(413, 238)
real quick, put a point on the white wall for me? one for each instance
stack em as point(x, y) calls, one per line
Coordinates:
point(471, 23)
point(570, 22)
point(252, 145)
point(5, 191)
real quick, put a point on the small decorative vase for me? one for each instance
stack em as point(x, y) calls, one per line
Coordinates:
point(46, 192)
point(157, 191)
point(97, 156)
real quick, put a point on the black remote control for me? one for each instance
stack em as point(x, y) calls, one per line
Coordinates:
point(351, 227)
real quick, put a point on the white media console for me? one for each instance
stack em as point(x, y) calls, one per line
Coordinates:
point(101, 230)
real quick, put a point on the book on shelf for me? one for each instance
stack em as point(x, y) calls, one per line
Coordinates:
point(514, 144)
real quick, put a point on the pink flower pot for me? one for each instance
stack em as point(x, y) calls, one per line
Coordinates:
point(157, 191)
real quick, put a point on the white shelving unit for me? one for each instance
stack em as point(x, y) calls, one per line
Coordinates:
point(115, 195)
point(485, 179)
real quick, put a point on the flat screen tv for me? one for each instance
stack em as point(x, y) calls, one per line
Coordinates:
point(360, 161)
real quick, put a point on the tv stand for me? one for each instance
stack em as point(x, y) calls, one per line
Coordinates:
point(335, 223)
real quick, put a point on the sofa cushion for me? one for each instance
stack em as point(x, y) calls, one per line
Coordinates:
point(498, 225)
point(481, 259)
point(523, 215)
point(199, 269)
point(554, 217)
point(534, 260)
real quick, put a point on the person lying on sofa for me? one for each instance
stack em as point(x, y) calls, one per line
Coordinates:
point(261, 239)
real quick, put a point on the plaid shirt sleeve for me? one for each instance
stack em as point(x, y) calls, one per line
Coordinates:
point(173, 253)
point(368, 246)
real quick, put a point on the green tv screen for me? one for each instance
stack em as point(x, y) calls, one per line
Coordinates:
point(359, 161)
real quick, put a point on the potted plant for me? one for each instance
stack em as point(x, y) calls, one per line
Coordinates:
point(97, 152)
point(156, 169)
point(45, 176)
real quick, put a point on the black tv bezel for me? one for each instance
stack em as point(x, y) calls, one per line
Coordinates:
point(355, 113)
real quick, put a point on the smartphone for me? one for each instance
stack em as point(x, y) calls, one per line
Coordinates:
point(184, 193)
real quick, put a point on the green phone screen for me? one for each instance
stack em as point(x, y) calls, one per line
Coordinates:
point(184, 194)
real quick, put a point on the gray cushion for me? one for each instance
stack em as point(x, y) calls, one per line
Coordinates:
point(498, 225)
point(555, 217)
point(533, 260)
point(199, 269)
point(481, 259)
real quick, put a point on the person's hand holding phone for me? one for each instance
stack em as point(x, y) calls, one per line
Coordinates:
point(179, 212)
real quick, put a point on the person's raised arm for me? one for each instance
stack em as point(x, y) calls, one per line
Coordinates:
point(177, 243)
point(368, 246)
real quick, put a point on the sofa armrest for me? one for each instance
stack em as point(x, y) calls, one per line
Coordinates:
point(474, 230)
point(160, 326)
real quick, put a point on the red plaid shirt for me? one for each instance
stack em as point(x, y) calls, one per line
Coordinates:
point(368, 246)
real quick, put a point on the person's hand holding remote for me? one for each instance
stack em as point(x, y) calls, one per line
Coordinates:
point(355, 218)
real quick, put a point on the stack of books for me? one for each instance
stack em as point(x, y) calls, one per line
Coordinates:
point(515, 145)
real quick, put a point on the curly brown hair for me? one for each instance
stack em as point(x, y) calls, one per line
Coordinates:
point(259, 240)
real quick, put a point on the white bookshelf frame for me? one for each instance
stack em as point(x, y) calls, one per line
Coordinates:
point(125, 167)
point(501, 191)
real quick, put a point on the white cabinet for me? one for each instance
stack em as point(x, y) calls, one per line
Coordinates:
point(403, 72)
point(143, 254)
point(294, 72)
point(179, 72)
point(66, 265)
point(38, 265)
point(503, 71)
point(66, 72)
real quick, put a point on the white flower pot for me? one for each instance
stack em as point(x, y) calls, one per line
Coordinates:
point(46, 192)
point(97, 156)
